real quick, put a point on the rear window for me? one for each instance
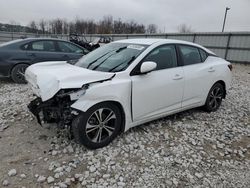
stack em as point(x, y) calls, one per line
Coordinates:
point(43, 46)
point(203, 55)
point(190, 55)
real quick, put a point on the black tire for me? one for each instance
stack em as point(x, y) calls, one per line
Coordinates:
point(90, 121)
point(214, 98)
point(17, 73)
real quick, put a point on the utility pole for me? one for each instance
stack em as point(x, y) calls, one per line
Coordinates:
point(225, 17)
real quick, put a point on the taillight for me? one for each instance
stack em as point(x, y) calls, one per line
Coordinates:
point(230, 66)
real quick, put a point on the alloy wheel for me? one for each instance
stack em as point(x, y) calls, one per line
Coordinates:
point(101, 125)
point(20, 73)
point(215, 97)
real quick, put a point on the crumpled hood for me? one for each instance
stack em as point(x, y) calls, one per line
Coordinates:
point(47, 78)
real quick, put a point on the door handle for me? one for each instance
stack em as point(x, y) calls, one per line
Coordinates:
point(32, 54)
point(177, 77)
point(211, 69)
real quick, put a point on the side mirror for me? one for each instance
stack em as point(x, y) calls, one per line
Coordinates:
point(147, 67)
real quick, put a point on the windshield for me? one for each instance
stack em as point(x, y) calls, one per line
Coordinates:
point(113, 57)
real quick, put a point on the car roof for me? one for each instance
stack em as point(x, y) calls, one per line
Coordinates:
point(43, 38)
point(150, 41)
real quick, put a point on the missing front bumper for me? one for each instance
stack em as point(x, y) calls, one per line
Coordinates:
point(35, 109)
point(55, 110)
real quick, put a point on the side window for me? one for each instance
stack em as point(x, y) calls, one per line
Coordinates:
point(43, 46)
point(68, 48)
point(190, 55)
point(203, 55)
point(163, 56)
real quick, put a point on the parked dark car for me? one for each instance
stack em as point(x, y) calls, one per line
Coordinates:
point(16, 56)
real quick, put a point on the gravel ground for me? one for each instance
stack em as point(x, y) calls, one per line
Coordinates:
point(189, 149)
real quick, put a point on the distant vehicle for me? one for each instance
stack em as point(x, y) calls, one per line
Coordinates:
point(82, 41)
point(99, 41)
point(127, 83)
point(17, 55)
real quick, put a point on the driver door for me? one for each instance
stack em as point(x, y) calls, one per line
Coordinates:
point(161, 90)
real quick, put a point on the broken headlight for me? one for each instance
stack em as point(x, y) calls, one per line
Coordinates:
point(74, 94)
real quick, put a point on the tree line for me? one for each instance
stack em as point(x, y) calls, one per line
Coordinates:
point(107, 25)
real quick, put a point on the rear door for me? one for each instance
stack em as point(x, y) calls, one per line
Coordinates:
point(161, 90)
point(42, 50)
point(198, 73)
point(69, 51)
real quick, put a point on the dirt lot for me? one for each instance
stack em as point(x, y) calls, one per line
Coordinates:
point(193, 148)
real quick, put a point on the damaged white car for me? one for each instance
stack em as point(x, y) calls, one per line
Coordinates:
point(127, 83)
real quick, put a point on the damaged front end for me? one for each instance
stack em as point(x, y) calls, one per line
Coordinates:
point(57, 86)
point(57, 109)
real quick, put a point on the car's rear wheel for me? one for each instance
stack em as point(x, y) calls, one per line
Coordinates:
point(98, 126)
point(17, 73)
point(214, 97)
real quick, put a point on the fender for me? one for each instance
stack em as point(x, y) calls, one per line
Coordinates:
point(111, 90)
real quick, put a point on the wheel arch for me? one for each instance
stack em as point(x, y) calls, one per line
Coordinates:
point(20, 63)
point(117, 103)
point(224, 86)
point(14, 70)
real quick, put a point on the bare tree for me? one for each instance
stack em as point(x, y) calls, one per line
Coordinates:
point(42, 25)
point(33, 26)
point(118, 26)
point(106, 25)
point(80, 26)
point(58, 23)
point(72, 27)
point(152, 28)
point(65, 27)
point(91, 27)
point(183, 28)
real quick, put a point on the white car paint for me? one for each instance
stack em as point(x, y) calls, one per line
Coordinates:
point(49, 77)
point(162, 95)
point(200, 77)
point(143, 97)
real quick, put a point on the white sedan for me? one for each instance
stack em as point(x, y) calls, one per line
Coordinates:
point(127, 83)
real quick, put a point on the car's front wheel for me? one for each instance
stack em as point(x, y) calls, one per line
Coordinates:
point(214, 98)
point(98, 126)
point(17, 73)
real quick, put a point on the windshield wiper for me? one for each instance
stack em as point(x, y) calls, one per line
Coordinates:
point(118, 50)
point(97, 59)
point(130, 61)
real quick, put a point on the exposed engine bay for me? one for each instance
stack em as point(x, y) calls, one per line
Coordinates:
point(57, 109)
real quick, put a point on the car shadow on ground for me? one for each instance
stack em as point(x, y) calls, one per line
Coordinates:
point(178, 116)
point(6, 81)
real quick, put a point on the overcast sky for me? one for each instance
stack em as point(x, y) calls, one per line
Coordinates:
point(201, 15)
